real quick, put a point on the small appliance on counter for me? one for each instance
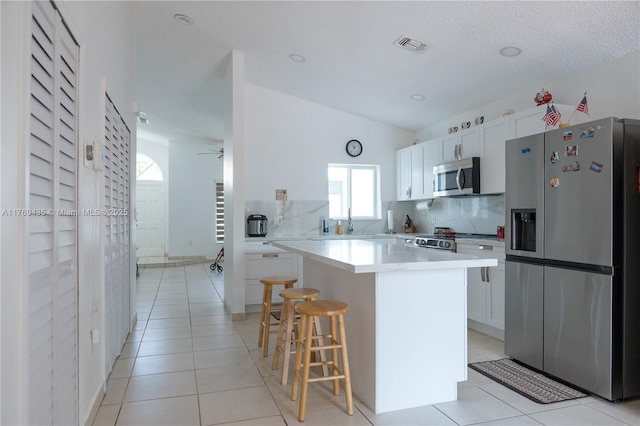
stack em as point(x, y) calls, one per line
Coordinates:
point(257, 225)
point(409, 226)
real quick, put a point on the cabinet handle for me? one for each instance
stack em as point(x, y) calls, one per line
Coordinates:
point(270, 255)
point(485, 247)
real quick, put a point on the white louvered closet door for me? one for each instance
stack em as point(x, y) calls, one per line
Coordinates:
point(116, 199)
point(52, 182)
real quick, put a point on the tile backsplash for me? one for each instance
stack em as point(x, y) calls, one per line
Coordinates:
point(303, 218)
point(477, 215)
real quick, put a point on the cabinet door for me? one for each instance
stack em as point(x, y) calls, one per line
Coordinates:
point(403, 174)
point(258, 265)
point(449, 147)
point(492, 163)
point(431, 155)
point(495, 313)
point(469, 141)
point(417, 173)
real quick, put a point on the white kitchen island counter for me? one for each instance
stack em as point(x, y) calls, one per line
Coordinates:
point(407, 319)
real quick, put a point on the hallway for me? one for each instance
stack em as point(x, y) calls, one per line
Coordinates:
point(187, 363)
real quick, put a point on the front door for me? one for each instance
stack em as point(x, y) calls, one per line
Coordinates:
point(150, 218)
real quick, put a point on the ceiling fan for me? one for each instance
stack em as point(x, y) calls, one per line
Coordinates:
point(219, 152)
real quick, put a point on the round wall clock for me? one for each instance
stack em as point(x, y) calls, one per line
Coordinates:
point(354, 148)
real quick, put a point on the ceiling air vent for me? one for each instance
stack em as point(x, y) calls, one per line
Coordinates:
point(411, 44)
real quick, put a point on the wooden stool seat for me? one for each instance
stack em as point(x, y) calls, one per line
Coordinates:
point(309, 312)
point(267, 322)
point(289, 322)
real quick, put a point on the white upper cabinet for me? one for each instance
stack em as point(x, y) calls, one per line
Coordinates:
point(431, 155)
point(459, 145)
point(450, 147)
point(414, 174)
point(529, 121)
point(492, 167)
point(469, 141)
point(409, 173)
point(415, 164)
point(403, 174)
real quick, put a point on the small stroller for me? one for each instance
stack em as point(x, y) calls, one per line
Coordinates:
point(216, 265)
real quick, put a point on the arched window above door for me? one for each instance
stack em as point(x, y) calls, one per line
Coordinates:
point(147, 168)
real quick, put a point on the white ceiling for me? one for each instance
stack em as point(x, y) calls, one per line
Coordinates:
point(351, 63)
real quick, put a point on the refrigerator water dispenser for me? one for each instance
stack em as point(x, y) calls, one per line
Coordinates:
point(523, 229)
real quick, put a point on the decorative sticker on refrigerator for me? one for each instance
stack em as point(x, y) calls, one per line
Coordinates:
point(596, 167)
point(571, 151)
point(555, 157)
point(554, 182)
point(573, 166)
point(567, 135)
point(587, 132)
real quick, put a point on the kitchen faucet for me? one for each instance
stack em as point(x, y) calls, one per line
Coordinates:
point(349, 223)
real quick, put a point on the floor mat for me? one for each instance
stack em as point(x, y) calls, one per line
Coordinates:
point(531, 384)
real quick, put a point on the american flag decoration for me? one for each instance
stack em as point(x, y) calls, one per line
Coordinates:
point(552, 117)
point(582, 106)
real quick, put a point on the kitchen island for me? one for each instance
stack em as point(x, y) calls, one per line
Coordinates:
point(407, 319)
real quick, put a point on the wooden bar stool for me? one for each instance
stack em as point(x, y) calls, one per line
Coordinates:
point(309, 311)
point(289, 325)
point(269, 307)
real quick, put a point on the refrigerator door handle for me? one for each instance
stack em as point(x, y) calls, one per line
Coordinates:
point(482, 274)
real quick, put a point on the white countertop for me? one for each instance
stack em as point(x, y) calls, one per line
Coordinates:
point(362, 256)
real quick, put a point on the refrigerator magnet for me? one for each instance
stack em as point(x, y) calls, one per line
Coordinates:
point(571, 151)
point(596, 167)
point(573, 166)
point(554, 182)
point(586, 132)
point(567, 135)
point(555, 157)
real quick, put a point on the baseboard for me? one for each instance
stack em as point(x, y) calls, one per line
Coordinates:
point(238, 316)
point(496, 333)
point(95, 406)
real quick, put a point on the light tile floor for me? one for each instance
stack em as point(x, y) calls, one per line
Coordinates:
point(187, 363)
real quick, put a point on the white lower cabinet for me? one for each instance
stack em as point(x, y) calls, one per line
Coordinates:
point(259, 265)
point(485, 289)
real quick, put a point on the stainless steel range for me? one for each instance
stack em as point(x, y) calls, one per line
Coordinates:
point(435, 242)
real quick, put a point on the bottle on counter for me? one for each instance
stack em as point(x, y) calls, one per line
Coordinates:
point(339, 228)
point(325, 226)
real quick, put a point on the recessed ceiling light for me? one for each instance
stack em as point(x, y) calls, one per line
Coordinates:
point(183, 19)
point(297, 58)
point(417, 97)
point(510, 51)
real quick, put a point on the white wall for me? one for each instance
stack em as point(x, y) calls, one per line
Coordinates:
point(613, 90)
point(104, 31)
point(290, 141)
point(192, 190)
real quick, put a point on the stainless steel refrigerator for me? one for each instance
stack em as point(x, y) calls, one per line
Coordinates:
point(572, 269)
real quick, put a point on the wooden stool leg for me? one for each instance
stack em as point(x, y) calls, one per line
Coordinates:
point(265, 291)
point(334, 354)
point(298, 364)
point(288, 342)
point(345, 365)
point(284, 324)
point(266, 327)
point(308, 330)
point(323, 355)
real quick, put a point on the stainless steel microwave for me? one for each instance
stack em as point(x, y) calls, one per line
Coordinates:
point(461, 177)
